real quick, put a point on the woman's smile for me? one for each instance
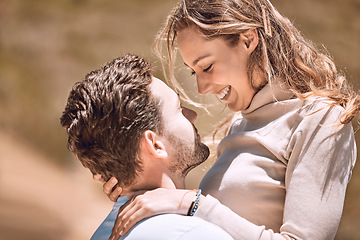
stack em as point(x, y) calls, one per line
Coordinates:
point(224, 93)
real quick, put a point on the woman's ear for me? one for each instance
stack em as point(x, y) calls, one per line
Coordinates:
point(250, 39)
point(153, 145)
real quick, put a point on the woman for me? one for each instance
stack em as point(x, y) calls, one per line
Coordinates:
point(283, 168)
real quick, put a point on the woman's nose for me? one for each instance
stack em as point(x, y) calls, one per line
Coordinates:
point(191, 115)
point(203, 85)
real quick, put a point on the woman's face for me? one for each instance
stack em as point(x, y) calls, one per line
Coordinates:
point(220, 69)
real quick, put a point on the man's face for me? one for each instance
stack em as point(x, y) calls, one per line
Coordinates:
point(179, 131)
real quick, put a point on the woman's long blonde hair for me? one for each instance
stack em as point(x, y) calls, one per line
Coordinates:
point(282, 53)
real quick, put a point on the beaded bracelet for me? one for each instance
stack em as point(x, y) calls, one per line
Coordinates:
point(195, 203)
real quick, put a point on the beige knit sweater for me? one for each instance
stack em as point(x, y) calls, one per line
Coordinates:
point(282, 170)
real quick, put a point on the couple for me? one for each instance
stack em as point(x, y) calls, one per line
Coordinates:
point(283, 168)
point(123, 122)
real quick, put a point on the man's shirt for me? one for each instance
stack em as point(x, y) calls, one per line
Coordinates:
point(162, 227)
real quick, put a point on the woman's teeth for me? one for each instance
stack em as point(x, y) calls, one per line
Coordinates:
point(223, 94)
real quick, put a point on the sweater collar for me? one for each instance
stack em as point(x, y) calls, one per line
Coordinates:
point(272, 92)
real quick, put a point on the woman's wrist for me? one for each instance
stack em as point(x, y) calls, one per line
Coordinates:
point(186, 200)
point(190, 202)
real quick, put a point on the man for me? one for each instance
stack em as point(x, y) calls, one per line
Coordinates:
point(123, 122)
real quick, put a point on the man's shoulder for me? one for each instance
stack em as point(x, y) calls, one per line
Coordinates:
point(165, 226)
point(173, 226)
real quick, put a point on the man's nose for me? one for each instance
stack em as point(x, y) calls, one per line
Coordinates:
point(203, 85)
point(191, 115)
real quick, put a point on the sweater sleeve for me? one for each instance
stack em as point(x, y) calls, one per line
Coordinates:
point(239, 228)
point(320, 156)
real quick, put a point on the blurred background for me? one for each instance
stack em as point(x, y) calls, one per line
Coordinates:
point(47, 45)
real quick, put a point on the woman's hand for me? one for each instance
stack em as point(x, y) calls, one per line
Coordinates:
point(108, 186)
point(147, 204)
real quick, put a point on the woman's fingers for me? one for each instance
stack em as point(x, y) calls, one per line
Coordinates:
point(113, 195)
point(130, 221)
point(115, 234)
point(125, 212)
point(109, 185)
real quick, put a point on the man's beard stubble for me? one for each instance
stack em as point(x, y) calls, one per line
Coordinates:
point(188, 156)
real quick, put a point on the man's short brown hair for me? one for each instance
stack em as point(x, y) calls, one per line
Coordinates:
point(106, 115)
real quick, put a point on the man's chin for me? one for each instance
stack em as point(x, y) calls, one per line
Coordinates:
point(201, 154)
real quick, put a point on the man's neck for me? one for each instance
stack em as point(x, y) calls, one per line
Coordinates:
point(159, 179)
point(173, 181)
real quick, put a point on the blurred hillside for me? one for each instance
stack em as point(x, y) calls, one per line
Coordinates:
point(48, 45)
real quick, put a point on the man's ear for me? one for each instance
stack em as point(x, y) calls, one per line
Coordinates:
point(250, 39)
point(153, 144)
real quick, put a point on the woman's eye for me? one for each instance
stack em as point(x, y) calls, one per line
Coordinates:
point(208, 68)
point(192, 73)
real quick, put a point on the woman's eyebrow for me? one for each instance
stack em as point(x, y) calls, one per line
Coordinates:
point(198, 59)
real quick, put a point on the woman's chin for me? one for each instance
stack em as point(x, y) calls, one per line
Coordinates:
point(234, 107)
